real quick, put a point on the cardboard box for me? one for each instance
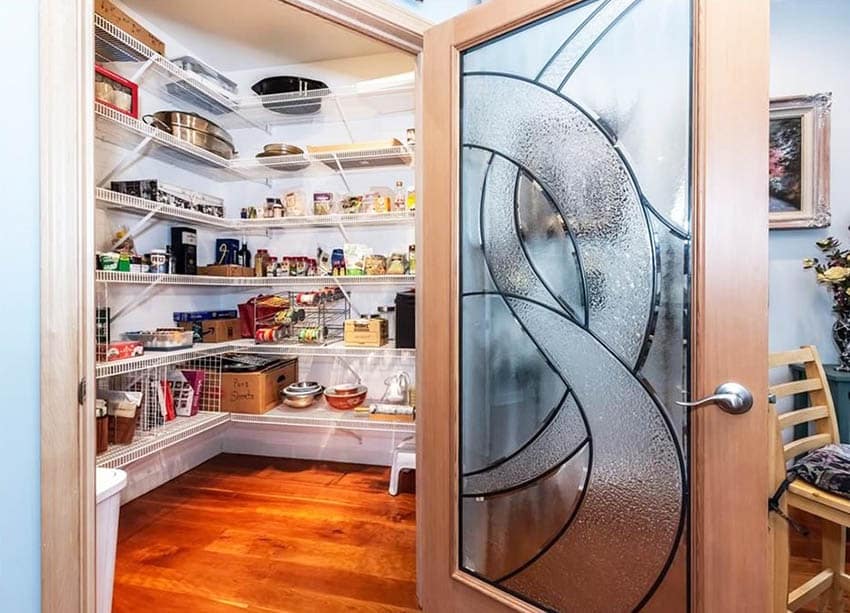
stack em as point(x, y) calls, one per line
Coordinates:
point(366, 332)
point(119, 350)
point(213, 330)
point(201, 315)
point(123, 21)
point(257, 392)
point(225, 270)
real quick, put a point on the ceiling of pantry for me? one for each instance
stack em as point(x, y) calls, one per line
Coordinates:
point(238, 35)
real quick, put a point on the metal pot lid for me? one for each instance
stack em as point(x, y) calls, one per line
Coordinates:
point(195, 122)
point(282, 149)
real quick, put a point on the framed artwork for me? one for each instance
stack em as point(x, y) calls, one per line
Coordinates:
point(799, 162)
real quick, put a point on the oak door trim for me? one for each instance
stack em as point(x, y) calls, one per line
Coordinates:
point(377, 19)
point(66, 46)
point(727, 185)
point(730, 226)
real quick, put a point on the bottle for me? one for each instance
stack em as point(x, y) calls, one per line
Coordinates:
point(400, 196)
point(243, 256)
point(411, 260)
point(260, 263)
point(411, 198)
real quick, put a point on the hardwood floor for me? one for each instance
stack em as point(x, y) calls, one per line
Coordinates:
point(245, 533)
point(805, 556)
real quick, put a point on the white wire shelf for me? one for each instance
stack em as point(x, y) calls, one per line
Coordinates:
point(341, 104)
point(184, 90)
point(144, 278)
point(145, 444)
point(129, 133)
point(140, 206)
point(336, 349)
point(119, 129)
point(321, 416)
point(109, 199)
point(156, 359)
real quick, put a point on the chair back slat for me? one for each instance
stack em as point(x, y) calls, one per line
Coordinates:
point(802, 416)
point(803, 445)
point(795, 356)
point(820, 413)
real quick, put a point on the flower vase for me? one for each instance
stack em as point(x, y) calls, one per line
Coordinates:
point(841, 336)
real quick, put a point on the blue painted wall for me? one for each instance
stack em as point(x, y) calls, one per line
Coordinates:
point(810, 46)
point(20, 531)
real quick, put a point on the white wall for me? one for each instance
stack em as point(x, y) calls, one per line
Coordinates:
point(437, 10)
point(810, 49)
point(20, 526)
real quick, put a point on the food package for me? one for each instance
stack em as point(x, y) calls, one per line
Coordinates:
point(293, 203)
point(355, 258)
point(121, 406)
point(350, 204)
point(375, 265)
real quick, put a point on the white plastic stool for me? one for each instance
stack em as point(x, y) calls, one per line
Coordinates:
point(404, 458)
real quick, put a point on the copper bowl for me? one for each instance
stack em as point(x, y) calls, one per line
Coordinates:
point(346, 400)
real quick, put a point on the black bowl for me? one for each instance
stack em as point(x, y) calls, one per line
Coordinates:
point(302, 105)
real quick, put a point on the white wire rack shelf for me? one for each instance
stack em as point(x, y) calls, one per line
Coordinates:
point(341, 104)
point(156, 359)
point(144, 278)
point(321, 416)
point(145, 444)
point(136, 136)
point(139, 206)
point(184, 90)
point(331, 350)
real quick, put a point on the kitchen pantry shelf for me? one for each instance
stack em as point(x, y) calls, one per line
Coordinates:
point(132, 134)
point(156, 359)
point(334, 350)
point(146, 278)
point(186, 91)
point(145, 444)
point(181, 89)
point(323, 417)
point(131, 204)
point(185, 428)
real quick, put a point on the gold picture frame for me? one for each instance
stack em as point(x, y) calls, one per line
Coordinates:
point(798, 173)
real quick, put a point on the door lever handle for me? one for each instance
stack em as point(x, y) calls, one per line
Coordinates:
point(732, 397)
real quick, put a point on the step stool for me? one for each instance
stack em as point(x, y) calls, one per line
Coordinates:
point(404, 458)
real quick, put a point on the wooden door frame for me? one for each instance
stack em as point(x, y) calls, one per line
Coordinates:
point(66, 47)
point(731, 50)
point(67, 304)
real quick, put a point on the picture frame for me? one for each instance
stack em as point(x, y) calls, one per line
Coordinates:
point(116, 92)
point(798, 173)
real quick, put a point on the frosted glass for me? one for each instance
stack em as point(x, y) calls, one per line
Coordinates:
point(505, 531)
point(515, 392)
point(561, 147)
point(574, 241)
point(638, 103)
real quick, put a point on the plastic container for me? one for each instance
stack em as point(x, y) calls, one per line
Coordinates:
point(108, 483)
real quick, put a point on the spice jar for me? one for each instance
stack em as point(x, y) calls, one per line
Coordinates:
point(271, 266)
point(260, 262)
point(102, 425)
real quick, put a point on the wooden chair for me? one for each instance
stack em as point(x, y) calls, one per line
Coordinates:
point(830, 583)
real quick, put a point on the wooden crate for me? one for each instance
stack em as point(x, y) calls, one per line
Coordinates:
point(122, 20)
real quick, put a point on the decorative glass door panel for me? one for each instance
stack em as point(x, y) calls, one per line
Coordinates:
point(574, 297)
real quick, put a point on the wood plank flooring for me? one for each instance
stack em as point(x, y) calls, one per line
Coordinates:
point(805, 556)
point(245, 533)
point(252, 534)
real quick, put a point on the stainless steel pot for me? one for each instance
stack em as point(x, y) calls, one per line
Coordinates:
point(195, 130)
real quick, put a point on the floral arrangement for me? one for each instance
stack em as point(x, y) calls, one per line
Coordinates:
point(834, 274)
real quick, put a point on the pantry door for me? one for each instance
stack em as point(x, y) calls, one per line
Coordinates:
point(593, 242)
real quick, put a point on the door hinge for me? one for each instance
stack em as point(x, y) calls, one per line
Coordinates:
point(81, 391)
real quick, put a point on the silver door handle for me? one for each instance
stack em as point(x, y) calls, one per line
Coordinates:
point(732, 397)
